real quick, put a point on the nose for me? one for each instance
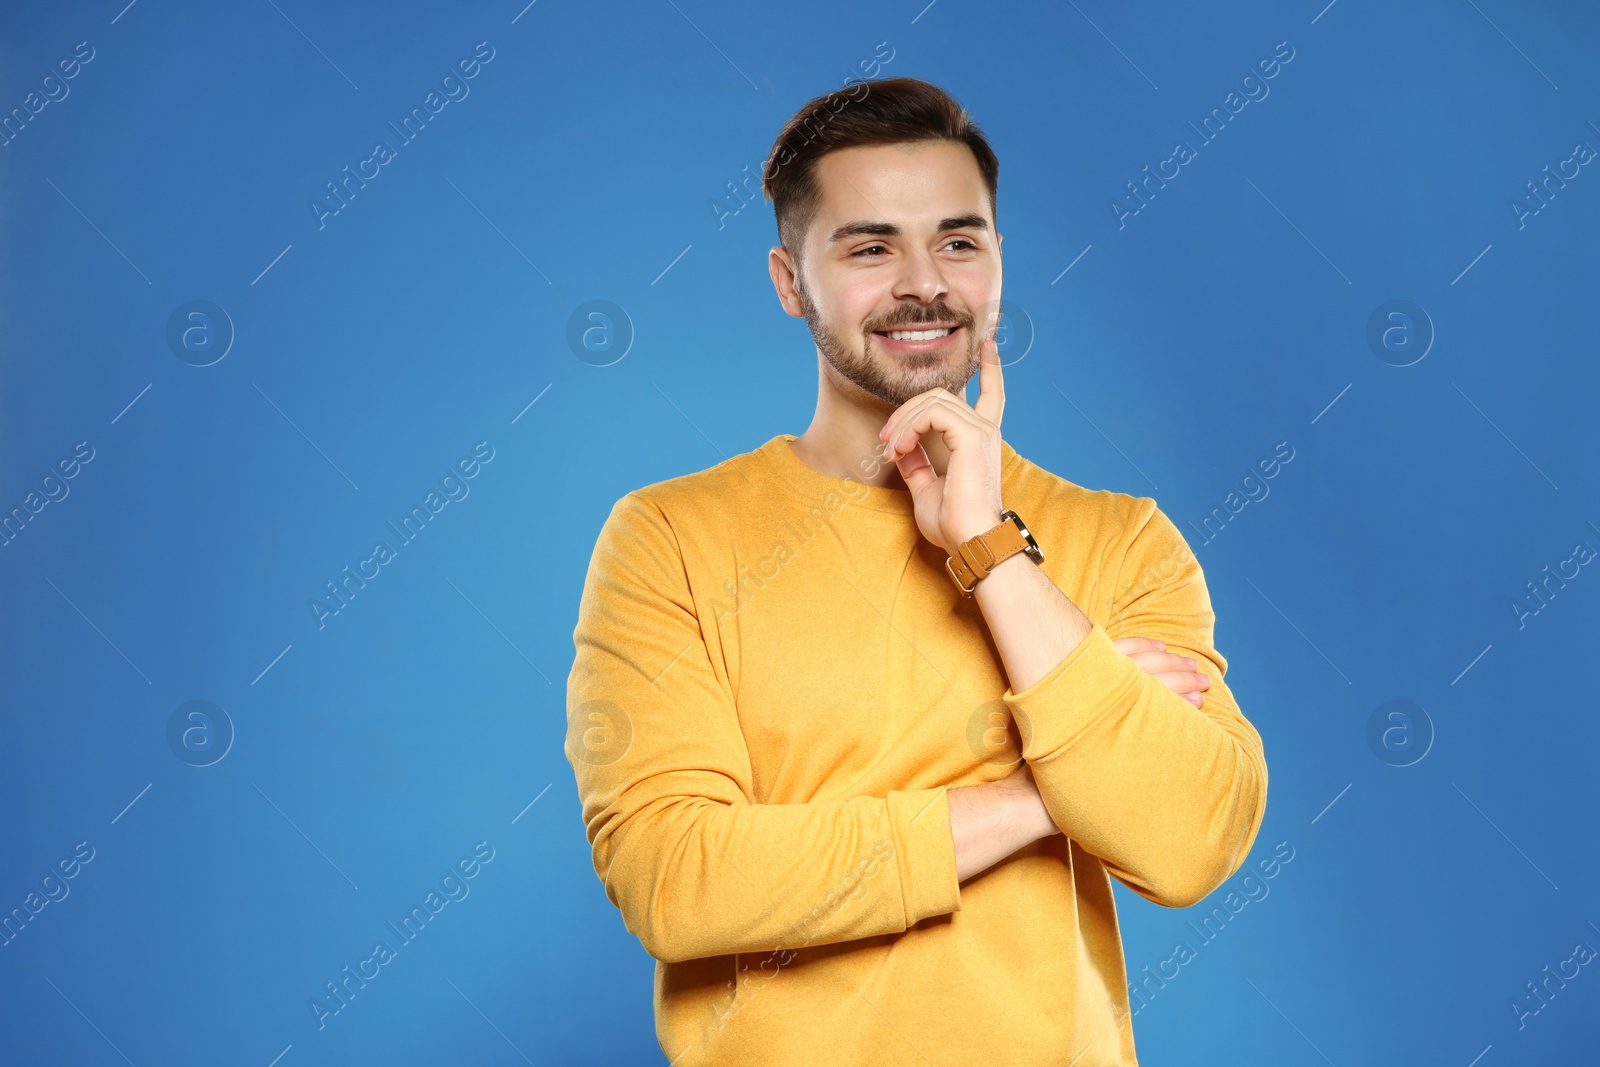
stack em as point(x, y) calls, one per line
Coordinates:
point(920, 279)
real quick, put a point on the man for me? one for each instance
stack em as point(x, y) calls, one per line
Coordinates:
point(857, 784)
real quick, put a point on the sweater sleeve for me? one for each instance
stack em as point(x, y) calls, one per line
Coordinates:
point(693, 864)
point(1169, 796)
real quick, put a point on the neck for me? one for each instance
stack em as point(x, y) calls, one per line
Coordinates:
point(842, 440)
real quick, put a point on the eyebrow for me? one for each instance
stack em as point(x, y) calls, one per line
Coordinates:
point(865, 228)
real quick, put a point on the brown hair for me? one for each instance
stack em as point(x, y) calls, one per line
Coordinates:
point(889, 111)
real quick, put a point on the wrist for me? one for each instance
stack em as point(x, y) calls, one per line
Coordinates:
point(1013, 810)
point(983, 827)
point(990, 550)
point(1031, 813)
point(967, 530)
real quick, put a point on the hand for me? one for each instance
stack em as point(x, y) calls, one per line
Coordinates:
point(1176, 672)
point(965, 500)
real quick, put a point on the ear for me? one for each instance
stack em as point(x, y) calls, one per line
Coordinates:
point(781, 267)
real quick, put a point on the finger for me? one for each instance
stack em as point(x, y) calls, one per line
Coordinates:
point(1153, 662)
point(940, 414)
point(1129, 645)
point(991, 383)
point(1183, 681)
point(899, 414)
point(903, 423)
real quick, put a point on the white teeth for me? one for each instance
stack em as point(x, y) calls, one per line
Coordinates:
point(918, 335)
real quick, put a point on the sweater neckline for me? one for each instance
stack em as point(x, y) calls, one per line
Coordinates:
point(813, 485)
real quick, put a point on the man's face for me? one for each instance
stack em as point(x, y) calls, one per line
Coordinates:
point(903, 240)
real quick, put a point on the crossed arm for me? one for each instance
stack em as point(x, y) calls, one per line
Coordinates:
point(1161, 792)
point(1188, 786)
point(992, 820)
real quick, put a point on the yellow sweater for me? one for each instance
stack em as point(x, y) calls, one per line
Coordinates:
point(775, 681)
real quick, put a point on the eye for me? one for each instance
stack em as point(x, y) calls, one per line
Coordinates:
point(870, 249)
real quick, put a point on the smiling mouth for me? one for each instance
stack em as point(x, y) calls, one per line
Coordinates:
point(919, 335)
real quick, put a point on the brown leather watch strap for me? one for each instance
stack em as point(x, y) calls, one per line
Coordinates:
point(976, 557)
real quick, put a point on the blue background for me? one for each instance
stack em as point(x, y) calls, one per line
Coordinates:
point(372, 352)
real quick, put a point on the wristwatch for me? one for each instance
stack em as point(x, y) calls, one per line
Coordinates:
point(975, 558)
